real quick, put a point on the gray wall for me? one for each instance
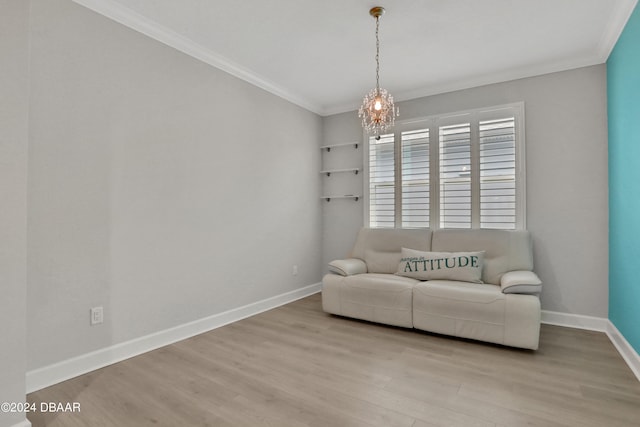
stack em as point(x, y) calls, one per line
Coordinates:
point(566, 149)
point(159, 187)
point(151, 194)
point(14, 72)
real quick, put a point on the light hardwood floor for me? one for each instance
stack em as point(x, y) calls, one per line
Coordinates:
point(298, 366)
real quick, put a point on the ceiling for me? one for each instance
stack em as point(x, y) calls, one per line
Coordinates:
point(321, 54)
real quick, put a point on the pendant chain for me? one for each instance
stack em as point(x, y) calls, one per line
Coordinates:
point(377, 56)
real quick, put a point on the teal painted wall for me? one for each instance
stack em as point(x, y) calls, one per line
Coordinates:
point(623, 99)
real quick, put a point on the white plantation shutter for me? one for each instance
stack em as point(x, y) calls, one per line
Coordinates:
point(498, 173)
point(381, 182)
point(461, 170)
point(415, 178)
point(455, 176)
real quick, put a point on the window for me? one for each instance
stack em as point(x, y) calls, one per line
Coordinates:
point(382, 182)
point(497, 141)
point(462, 170)
point(455, 176)
point(415, 178)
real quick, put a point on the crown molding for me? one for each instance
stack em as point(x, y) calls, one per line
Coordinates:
point(478, 81)
point(131, 19)
point(616, 24)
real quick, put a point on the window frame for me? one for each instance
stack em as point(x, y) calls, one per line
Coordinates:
point(433, 123)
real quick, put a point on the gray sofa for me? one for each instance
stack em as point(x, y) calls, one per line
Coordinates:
point(504, 308)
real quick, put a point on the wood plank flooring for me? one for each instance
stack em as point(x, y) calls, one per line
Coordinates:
point(298, 366)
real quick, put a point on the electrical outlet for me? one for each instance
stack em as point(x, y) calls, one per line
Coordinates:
point(295, 270)
point(97, 315)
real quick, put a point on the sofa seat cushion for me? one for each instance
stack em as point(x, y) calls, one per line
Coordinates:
point(460, 309)
point(462, 300)
point(476, 311)
point(382, 298)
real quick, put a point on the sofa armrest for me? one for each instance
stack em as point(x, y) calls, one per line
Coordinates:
point(348, 267)
point(520, 282)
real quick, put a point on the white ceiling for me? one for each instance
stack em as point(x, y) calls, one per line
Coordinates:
point(320, 54)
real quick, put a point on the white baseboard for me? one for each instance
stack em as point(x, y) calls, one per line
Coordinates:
point(627, 352)
point(598, 324)
point(25, 423)
point(70, 368)
point(575, 321)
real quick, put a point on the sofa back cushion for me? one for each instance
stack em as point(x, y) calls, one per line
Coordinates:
point(381, 248)
point(505, 250)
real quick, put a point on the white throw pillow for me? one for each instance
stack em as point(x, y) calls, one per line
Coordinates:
point(460, 266)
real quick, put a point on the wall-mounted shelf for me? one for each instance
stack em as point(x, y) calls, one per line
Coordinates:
point(346, 196)
point(330, 171)
point(345, 144)
point(345, 183)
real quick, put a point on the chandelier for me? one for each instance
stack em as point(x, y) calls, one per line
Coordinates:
point(377, 110)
